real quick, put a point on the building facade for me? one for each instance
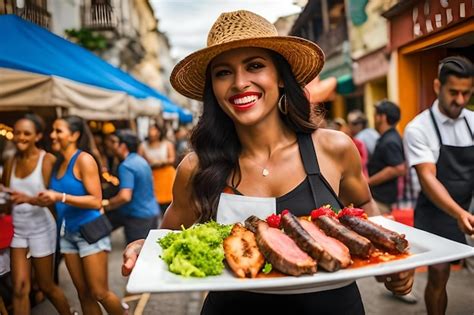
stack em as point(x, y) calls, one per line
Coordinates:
point(421, 34)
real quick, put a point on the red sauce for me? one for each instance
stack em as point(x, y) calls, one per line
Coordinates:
point(377, 257)
point(271, 274)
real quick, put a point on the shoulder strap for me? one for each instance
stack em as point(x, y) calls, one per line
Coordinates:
point(310, 161)
point(436, 126)
point(74, 158)
point(308, 153)
point(469, 128)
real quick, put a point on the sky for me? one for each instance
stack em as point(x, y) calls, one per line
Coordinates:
point(187, 22)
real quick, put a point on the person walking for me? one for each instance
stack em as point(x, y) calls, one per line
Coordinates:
point(161, 155)
point(76, 193)
point(440, 145)
point(357, 122)
point(134, 207)
point(27, 174)
point(387, 163)
point(257, 151)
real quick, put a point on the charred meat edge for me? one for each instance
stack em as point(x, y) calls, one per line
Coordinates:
point(278, 261)
point(385, 238)
point(307, 243)
point(357, 244)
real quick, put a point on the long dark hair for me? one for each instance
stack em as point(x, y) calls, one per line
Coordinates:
point(85, 142)
point(215, 141)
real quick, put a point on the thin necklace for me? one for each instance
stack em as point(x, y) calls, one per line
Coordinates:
point(265, 170)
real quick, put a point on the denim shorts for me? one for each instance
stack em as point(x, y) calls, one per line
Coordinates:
point(74, 243)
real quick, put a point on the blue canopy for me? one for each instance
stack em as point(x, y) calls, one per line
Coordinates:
point(29, 47)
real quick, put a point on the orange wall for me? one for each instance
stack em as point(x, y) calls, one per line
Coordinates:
point(417, 68)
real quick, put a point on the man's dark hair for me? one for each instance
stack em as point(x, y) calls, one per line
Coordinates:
point(389, 109)
point(360, 118)
point(128, 137)
point(457, 66)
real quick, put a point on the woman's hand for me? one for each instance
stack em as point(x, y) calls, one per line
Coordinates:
point(19, 198)
point(398, 283)
point(130, 256)
point(48, 197)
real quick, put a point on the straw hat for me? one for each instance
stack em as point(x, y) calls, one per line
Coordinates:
point(245, 29)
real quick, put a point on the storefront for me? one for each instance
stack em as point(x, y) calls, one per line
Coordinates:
point(421, 34)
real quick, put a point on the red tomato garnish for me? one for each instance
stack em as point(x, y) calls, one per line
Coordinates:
point(285, 212)
point(316, 213)
point(355, 212)
point(274, 221)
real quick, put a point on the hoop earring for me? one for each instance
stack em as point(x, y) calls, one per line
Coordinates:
point(283, 107)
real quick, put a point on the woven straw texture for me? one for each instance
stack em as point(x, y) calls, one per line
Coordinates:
point(245, 29)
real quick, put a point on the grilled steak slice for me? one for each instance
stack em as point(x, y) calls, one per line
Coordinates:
point(251, 223)
point(357, 244)
point(242, 253)
point(389, 240)
point(307, 243)
point(332, 246)
point(281, 251)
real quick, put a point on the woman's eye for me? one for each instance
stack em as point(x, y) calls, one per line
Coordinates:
point(221, 73)
point(255, 66)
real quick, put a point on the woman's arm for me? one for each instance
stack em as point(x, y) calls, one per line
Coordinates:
point(183, 210)
point(353, 187)
point(87, 171)
point(46, 170)
point(171, 158)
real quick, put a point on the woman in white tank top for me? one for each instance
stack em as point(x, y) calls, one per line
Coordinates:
point(27, 174)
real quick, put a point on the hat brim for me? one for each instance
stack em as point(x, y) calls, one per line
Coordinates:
point(305, 58)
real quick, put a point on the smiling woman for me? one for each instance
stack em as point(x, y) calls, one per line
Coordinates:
point(26, 175)
point(256, 113)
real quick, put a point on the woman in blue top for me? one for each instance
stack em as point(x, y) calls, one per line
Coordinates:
point(258, 150)
point(76, 192)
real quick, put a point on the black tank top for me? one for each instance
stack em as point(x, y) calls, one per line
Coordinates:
point(314, 191)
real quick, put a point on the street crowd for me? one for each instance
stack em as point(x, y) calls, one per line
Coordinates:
point(257, 137)
point(110, 180)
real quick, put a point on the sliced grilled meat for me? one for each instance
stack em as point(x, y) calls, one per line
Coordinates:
point(251, 223)
point(332, 246)
point(357, 244)
point(242, 253)
point(307, 243)
point(388, 240)
point(280, 250)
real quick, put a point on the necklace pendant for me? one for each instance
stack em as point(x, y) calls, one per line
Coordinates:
point(265, 172)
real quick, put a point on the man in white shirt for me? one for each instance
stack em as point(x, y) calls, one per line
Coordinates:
point(439, 143)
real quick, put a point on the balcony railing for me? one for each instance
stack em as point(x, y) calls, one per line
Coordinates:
point(332, 40)
point(36, 11)
point(98, 15)
point(8, 7)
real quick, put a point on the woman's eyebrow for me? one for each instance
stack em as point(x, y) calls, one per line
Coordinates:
point(246, 60)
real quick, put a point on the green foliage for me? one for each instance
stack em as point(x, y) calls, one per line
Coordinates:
point(87, 39)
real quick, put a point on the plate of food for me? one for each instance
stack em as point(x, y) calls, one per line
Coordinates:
point(285, 254)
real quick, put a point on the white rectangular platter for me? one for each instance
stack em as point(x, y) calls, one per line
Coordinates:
point(151, 273)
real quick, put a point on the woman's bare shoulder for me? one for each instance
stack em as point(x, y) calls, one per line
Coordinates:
point(86, 160)
point(332, 141)
point(189, 164)
point(49, 158)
